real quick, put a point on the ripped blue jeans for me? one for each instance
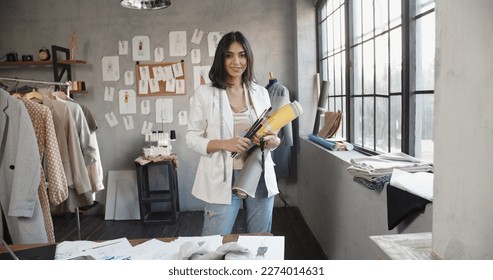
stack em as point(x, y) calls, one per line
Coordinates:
point(220, 218)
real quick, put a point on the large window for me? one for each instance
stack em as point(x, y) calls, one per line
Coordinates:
point(378, 59)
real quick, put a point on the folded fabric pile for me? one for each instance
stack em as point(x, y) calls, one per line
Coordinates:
point(375, 171)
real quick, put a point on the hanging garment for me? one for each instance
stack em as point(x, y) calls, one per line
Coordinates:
point(80, 191)
point(279, 96)
point(49, 154)
point(20, 169)
point(89, 142)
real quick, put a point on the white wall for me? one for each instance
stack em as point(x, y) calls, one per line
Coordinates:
point(462, 227)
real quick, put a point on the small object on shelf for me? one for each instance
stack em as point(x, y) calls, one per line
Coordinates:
point(78, 86)
point(44, 54)
point(12, 56)
point(27, 57)
point(73, 45)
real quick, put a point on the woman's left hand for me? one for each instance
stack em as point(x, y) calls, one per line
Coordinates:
point(271, 141)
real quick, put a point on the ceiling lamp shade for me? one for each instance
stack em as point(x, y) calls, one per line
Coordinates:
point(146, 5)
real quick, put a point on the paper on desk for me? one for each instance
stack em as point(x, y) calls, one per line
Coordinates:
point(419, 183)
point(155, 249)
point(115, 249)
point(264, 247)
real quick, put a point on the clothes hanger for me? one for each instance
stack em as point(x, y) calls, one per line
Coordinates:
point(60, 94)
point(34, 94)
point(15, 93)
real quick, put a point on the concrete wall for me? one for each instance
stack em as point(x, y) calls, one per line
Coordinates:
point(462, 225)
point(270, 26)
point(342, 213)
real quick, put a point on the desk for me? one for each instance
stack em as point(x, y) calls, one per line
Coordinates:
point(160, 204)
point(47, 251)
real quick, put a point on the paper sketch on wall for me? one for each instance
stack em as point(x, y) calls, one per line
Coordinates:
point(164, 110)
point(183, 118)
point(141, 49)
point(144, 73)
point(159, 54)
point(170, 85)
point(195, 54)
point(123, 47)
point(109, 92)
point(197, 36)
point(167, 73)
point(128, 101)
point(129, 122)
point(144, 87)
point(154, 85)
point(145, 107)
point(111, 119)
point(180, 86)
point(212, 41)
point(177, 70)
point(146, 128)
point(178, 43)
point(129, 78)
point(111, 68)
point(201, 75)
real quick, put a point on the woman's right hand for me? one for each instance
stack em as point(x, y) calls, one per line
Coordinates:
point(233, 145)
point(237, 144)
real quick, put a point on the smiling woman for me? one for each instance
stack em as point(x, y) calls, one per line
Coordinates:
point(216, 131)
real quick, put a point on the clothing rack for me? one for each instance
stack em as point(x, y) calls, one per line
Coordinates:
point(68, 85)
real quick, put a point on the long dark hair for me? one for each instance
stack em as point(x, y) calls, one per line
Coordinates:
point(218, 74)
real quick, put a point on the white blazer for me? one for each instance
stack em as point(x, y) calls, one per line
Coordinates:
point(204, 125)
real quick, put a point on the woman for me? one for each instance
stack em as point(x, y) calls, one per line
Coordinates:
point(219, 115)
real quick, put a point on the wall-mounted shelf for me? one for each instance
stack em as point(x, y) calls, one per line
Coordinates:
point(60, 66)
point(39, 62)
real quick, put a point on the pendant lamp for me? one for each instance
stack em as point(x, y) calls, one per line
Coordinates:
point(146, 5)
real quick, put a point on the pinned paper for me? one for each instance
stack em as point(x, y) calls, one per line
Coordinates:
point(143, 87)
point(123, 47)
point(127, 98)
point(144, 73)
point(180, 86)
point(154, 85)
point(177, 70)
point(168, 73)
point(159, 54)
point(146, 128)
point(129, 122)
point(183, 118)
point(145, 107)
point(197, 36)
point(108, 93)
point(170, 85)
point(195, 54)
point(129, 78)
point(111, 68)
point(164, 110)
point(156, 71)
point(111, 118)
point(141, 48)
point(212, 41)
point(178, 43)
point(201, 75)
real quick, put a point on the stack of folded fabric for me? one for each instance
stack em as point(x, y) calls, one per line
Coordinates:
point(375, 171)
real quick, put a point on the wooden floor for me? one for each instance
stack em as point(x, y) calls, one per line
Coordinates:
point(300, 244)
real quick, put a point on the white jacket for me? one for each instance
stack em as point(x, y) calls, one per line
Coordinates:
point(204, 125)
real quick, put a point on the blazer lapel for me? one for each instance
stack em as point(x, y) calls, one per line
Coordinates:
point(227, 115)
